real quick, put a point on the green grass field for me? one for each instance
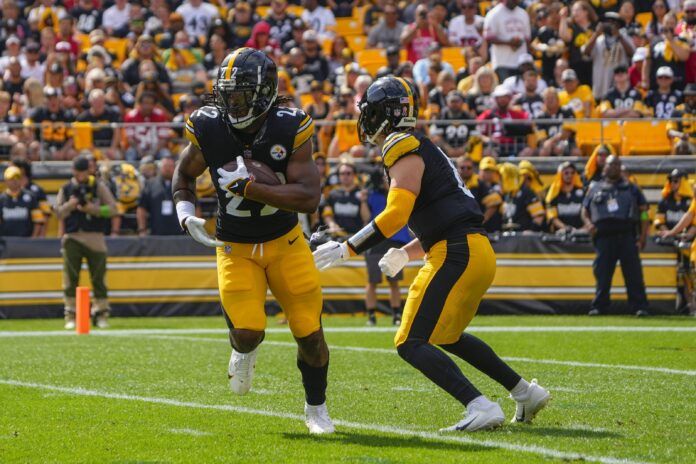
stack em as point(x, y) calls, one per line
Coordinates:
point(623, 391)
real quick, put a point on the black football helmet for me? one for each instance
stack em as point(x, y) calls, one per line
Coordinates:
point(389, 105)
point(246, 87)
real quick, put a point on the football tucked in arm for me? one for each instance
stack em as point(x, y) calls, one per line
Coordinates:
point(261, 172)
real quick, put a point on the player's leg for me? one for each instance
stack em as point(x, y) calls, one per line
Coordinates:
point(242, 284)
point(472, 285)
point(294, 281)
point(432, 293)
point(96, 262)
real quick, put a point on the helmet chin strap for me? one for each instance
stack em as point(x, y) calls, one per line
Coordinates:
point(249, 119)
point(372, 138)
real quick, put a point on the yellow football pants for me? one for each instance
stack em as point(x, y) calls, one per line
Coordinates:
point(285, 265)
point(446, 293)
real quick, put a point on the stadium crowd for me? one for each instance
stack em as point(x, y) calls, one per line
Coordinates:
point(496, 79)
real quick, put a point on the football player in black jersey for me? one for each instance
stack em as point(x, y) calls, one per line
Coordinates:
point(258, 238)
point(427, 193)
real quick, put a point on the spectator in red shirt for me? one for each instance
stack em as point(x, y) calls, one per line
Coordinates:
point(144, 140)
point(508, 139)
point(418, 36)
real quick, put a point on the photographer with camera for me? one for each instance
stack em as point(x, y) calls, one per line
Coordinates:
point(84, 204)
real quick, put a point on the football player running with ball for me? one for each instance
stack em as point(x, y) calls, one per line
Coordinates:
point(427, 193)
point(259, 241)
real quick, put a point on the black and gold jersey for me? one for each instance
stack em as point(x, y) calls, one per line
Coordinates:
point(615, 99)
point(54, 130)
point(685, 121)
point(663, 105)
point(670, 210)
point(18, 213)
point(444, 209)
point(567, 207)
point(521, 207)
point(284, 131)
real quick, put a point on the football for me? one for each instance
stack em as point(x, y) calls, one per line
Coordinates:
point(261, 172)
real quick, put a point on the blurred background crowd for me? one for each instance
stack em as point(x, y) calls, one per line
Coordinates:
point(115, 80)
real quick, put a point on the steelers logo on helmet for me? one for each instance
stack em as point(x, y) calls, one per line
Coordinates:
point(278, 152)
point(246, 87)
point(389, 105)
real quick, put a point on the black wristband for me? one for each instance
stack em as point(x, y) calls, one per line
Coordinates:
point(366, 238)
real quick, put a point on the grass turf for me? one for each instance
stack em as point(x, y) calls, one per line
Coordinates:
point(164, 397)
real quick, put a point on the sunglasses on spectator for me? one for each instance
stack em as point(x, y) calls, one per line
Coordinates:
point(346, 173)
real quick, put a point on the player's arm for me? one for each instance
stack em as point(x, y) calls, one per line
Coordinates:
point(406, 174)
point(191, 164)
point(302, 191)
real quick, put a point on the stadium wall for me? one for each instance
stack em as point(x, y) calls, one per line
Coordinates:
point(175, 276)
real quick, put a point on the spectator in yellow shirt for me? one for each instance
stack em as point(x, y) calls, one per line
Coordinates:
point(577, 97)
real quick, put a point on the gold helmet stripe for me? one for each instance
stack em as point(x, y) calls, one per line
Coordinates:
point(230, 63)
point(410, 95)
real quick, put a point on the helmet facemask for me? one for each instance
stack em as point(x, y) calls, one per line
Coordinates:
point(242, 101)
point(372, 122)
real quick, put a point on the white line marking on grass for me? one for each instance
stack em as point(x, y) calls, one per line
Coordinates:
point(195, 433)
point(565, 389)
point(587, 428)
point(273, 330)
point(663, 370)
point(412, 389)
point(539, 450)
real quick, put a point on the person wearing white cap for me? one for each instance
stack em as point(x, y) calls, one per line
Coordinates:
point(516, 83)
point(509, 139)
point(664, 100)
point(577, 97)
point(13, 47)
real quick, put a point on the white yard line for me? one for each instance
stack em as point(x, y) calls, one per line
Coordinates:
point(463, 439)
point(193, 432)
point(491, 329)
point(663, 370)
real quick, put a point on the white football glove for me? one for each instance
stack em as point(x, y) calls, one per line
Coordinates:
point(196, 229)
point(234, 182)
point(330, 254)
point(393, 261)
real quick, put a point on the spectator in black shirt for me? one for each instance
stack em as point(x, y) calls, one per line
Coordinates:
point(156, 210)
point(663, 100)
point(452, 137)
point(547, 42)
point(20, 215)
point(523, 210)
point(280, 21)
point(555, 138)
point(104, 138)
point(564, 199)
point(530, 101)
point(87, 16)
point(347, 210)
point(53, 133)
point(315, 63)
point(12, 81)
point(487, 197)
point(666, 50)
point(393, 57)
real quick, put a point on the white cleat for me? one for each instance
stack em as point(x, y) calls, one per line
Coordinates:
point(241, 370)
point(317, 419)
point(69, 324)
point(479, 418)
point(531, 402)
point(102, 322)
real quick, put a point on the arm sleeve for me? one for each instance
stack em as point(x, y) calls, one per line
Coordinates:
point(394, 217)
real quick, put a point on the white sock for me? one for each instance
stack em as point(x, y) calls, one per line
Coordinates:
point(480, 401)
point(520, 389)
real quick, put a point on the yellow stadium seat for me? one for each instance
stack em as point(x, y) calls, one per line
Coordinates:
point(643, 19)
point(83, 40)
point(347, 27)
point(645, 138)
point(82, 135)
point(118, 47)
point(297, 10)
point(589, 134)
point(326, 46)
point(347, 134)
point(262, 11)
point(371, 59)
point(359, 12)
point(357, 42)
point(454, 56)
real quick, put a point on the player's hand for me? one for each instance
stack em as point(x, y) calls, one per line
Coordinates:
point(235, 182)
point(330, 254)
point(393, 261)
point(195, 226)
